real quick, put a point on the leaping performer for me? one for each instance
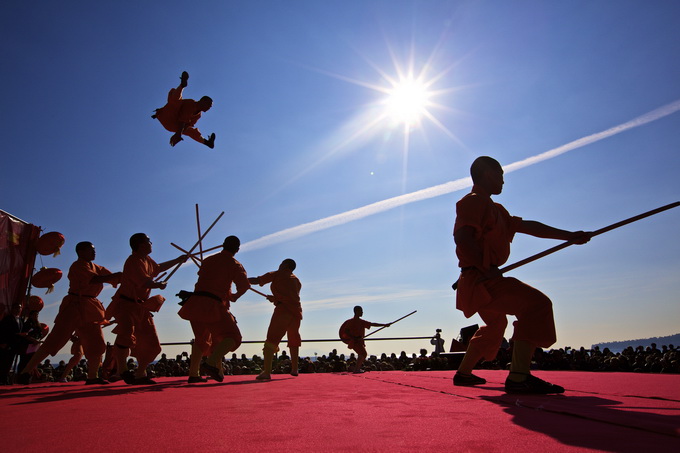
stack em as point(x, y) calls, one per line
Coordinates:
point(483, 231)
point(285, 288)
point(352, 332)
point(180, 115)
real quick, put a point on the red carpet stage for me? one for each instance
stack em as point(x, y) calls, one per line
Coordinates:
point(378, 411)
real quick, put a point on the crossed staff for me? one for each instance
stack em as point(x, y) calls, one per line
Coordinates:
point(197, 258)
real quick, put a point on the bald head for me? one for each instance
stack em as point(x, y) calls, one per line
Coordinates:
point(481, 165)
point(232, 244)
point(288, 264)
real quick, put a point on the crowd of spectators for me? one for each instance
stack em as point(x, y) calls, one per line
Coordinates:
point(639, 359)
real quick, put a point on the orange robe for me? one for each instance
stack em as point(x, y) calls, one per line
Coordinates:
point(208, 311)
point(80, 312)
point(135, 328)
point(496, 298)
point(285, 288)
point(353, 331)
point(178, 111)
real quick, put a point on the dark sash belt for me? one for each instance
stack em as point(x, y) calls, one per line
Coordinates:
point(207, 294)
point(137, 301)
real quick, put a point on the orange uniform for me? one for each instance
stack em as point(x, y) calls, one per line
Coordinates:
point(80, 312)
point(178, 111)
point(353, 331)
point(496, 298)
point(285, 288)
point(135, 328)
point(208, 308)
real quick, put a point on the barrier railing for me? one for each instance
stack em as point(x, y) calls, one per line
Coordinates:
point(326, 340)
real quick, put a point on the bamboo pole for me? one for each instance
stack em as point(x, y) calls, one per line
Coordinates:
point(192, 256)
point(195, 245)
point(198, 227)
point(384, 327)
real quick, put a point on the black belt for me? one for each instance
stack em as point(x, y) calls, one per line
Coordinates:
point(468, 268)
point(207, 294)
point(82, 295)
point(137, 301)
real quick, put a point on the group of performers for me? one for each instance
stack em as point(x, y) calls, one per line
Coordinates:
point(482, 232)
point(207, 309)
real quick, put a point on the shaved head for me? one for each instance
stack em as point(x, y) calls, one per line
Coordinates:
point(481, 165)
point(232, 244)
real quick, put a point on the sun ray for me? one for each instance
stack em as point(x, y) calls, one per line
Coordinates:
point(406, 99)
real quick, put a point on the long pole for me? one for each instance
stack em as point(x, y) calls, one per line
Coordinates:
point(198, 227)
point(258, 292)
point(195, 245)
point(376, 331)
point(593, 234)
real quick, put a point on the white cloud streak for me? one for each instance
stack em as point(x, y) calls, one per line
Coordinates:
point(449, 187)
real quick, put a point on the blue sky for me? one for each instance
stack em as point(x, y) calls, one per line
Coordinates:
point(294, 85)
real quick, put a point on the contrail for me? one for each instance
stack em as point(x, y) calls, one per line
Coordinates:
point(451, 186)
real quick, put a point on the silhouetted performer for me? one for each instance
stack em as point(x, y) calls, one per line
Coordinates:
point(180, 115)
point(285, 288)
point(11, 341)
point(483, 231)
point(135, 330)
point(81, 313)
point(353, 331)
point(208, 312)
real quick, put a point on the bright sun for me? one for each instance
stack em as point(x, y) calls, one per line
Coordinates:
point(407, 101)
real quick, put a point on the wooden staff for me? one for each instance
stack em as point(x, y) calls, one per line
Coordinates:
point(593, 234)
point(383, 327)
point(192, 256)
point(195, 245)
point(213, 248)
point(258, 292)
point(198, 227)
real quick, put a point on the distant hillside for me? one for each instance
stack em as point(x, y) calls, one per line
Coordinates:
point(618, 346)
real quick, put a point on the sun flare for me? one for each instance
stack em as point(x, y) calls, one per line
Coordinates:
point(407, 101)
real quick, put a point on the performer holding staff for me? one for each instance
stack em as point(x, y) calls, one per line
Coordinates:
point(353, 332)
point(483, 231)
point(285, 287)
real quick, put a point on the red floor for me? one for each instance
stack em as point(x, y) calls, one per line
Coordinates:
point(378, 411)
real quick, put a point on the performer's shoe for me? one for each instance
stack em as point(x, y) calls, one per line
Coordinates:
point(144, 380)
point(197, 379)
point(531, 386)
point(128, 376)
point(358, 372)
point(467, 380)
point(24, 379)
point(183, 79)
point(115, 378)
point(264, 377)
point(97, 380)
point(211, 371)
point(293, 373)
point(63, 380)
point(210, 141)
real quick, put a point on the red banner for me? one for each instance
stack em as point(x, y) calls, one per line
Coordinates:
point(17, 257)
